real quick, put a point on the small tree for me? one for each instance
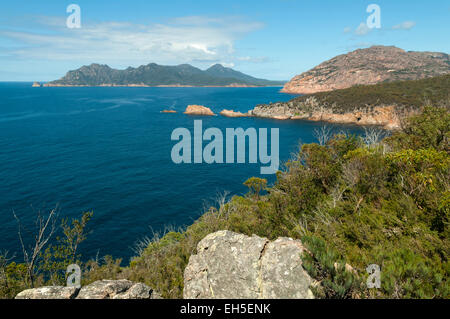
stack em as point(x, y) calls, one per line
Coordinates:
point(256, 185)
point(56, 258)
point(323, 134)
point(45, 228)
point(4, 261)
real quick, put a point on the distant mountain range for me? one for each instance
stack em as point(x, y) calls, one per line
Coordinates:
point(369, 66)
point(159, 75)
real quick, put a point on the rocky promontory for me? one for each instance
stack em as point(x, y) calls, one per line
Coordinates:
point(383, 104)
point(369, 66)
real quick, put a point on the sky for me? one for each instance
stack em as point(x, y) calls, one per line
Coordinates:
point(274, 39)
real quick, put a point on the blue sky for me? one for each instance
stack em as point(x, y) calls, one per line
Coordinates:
point(274, 39)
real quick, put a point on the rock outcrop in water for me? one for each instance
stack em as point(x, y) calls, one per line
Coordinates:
point(168, 111)
point(198, 110)
point(101, 289)
point(231, 113)
point(231, 265)
point(369, 66)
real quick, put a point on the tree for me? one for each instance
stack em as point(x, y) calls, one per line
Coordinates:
point(256, 185)
point(46, 227)
point(323, 134)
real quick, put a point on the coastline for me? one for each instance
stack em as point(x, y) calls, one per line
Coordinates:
point(161, 86)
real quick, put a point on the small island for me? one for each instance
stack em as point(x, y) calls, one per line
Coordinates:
point(198, 110)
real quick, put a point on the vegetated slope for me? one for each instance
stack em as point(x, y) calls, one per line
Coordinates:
point(369, 66)
point(384, 104)
point(406, 94)
point(153, 75)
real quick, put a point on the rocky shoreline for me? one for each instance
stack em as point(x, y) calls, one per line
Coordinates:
point(389, 117)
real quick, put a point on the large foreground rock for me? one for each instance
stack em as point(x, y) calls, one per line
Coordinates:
point(231, 265)
point(101, 289)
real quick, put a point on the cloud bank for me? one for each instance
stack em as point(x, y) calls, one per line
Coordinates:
point(181, 40)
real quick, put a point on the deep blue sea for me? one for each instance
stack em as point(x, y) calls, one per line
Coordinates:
point(108, 150)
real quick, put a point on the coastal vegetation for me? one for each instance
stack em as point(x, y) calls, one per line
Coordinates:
point(410, 94)
point(383, 104)
point(353, 201)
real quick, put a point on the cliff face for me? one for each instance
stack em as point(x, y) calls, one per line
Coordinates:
point(369, 66)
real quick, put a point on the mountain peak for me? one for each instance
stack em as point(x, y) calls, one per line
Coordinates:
point(217, 66)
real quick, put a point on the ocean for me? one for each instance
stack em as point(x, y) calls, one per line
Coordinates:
point(108, 150)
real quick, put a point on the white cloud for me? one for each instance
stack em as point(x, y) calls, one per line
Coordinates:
point(407, 25)
point(362, 29)
point(180, 40)
point(347, 30)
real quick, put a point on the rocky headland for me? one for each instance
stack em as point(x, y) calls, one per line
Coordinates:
point(373, 65)
point(383, 104)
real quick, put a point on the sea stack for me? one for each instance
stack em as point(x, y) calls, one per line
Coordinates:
point(36, 84)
